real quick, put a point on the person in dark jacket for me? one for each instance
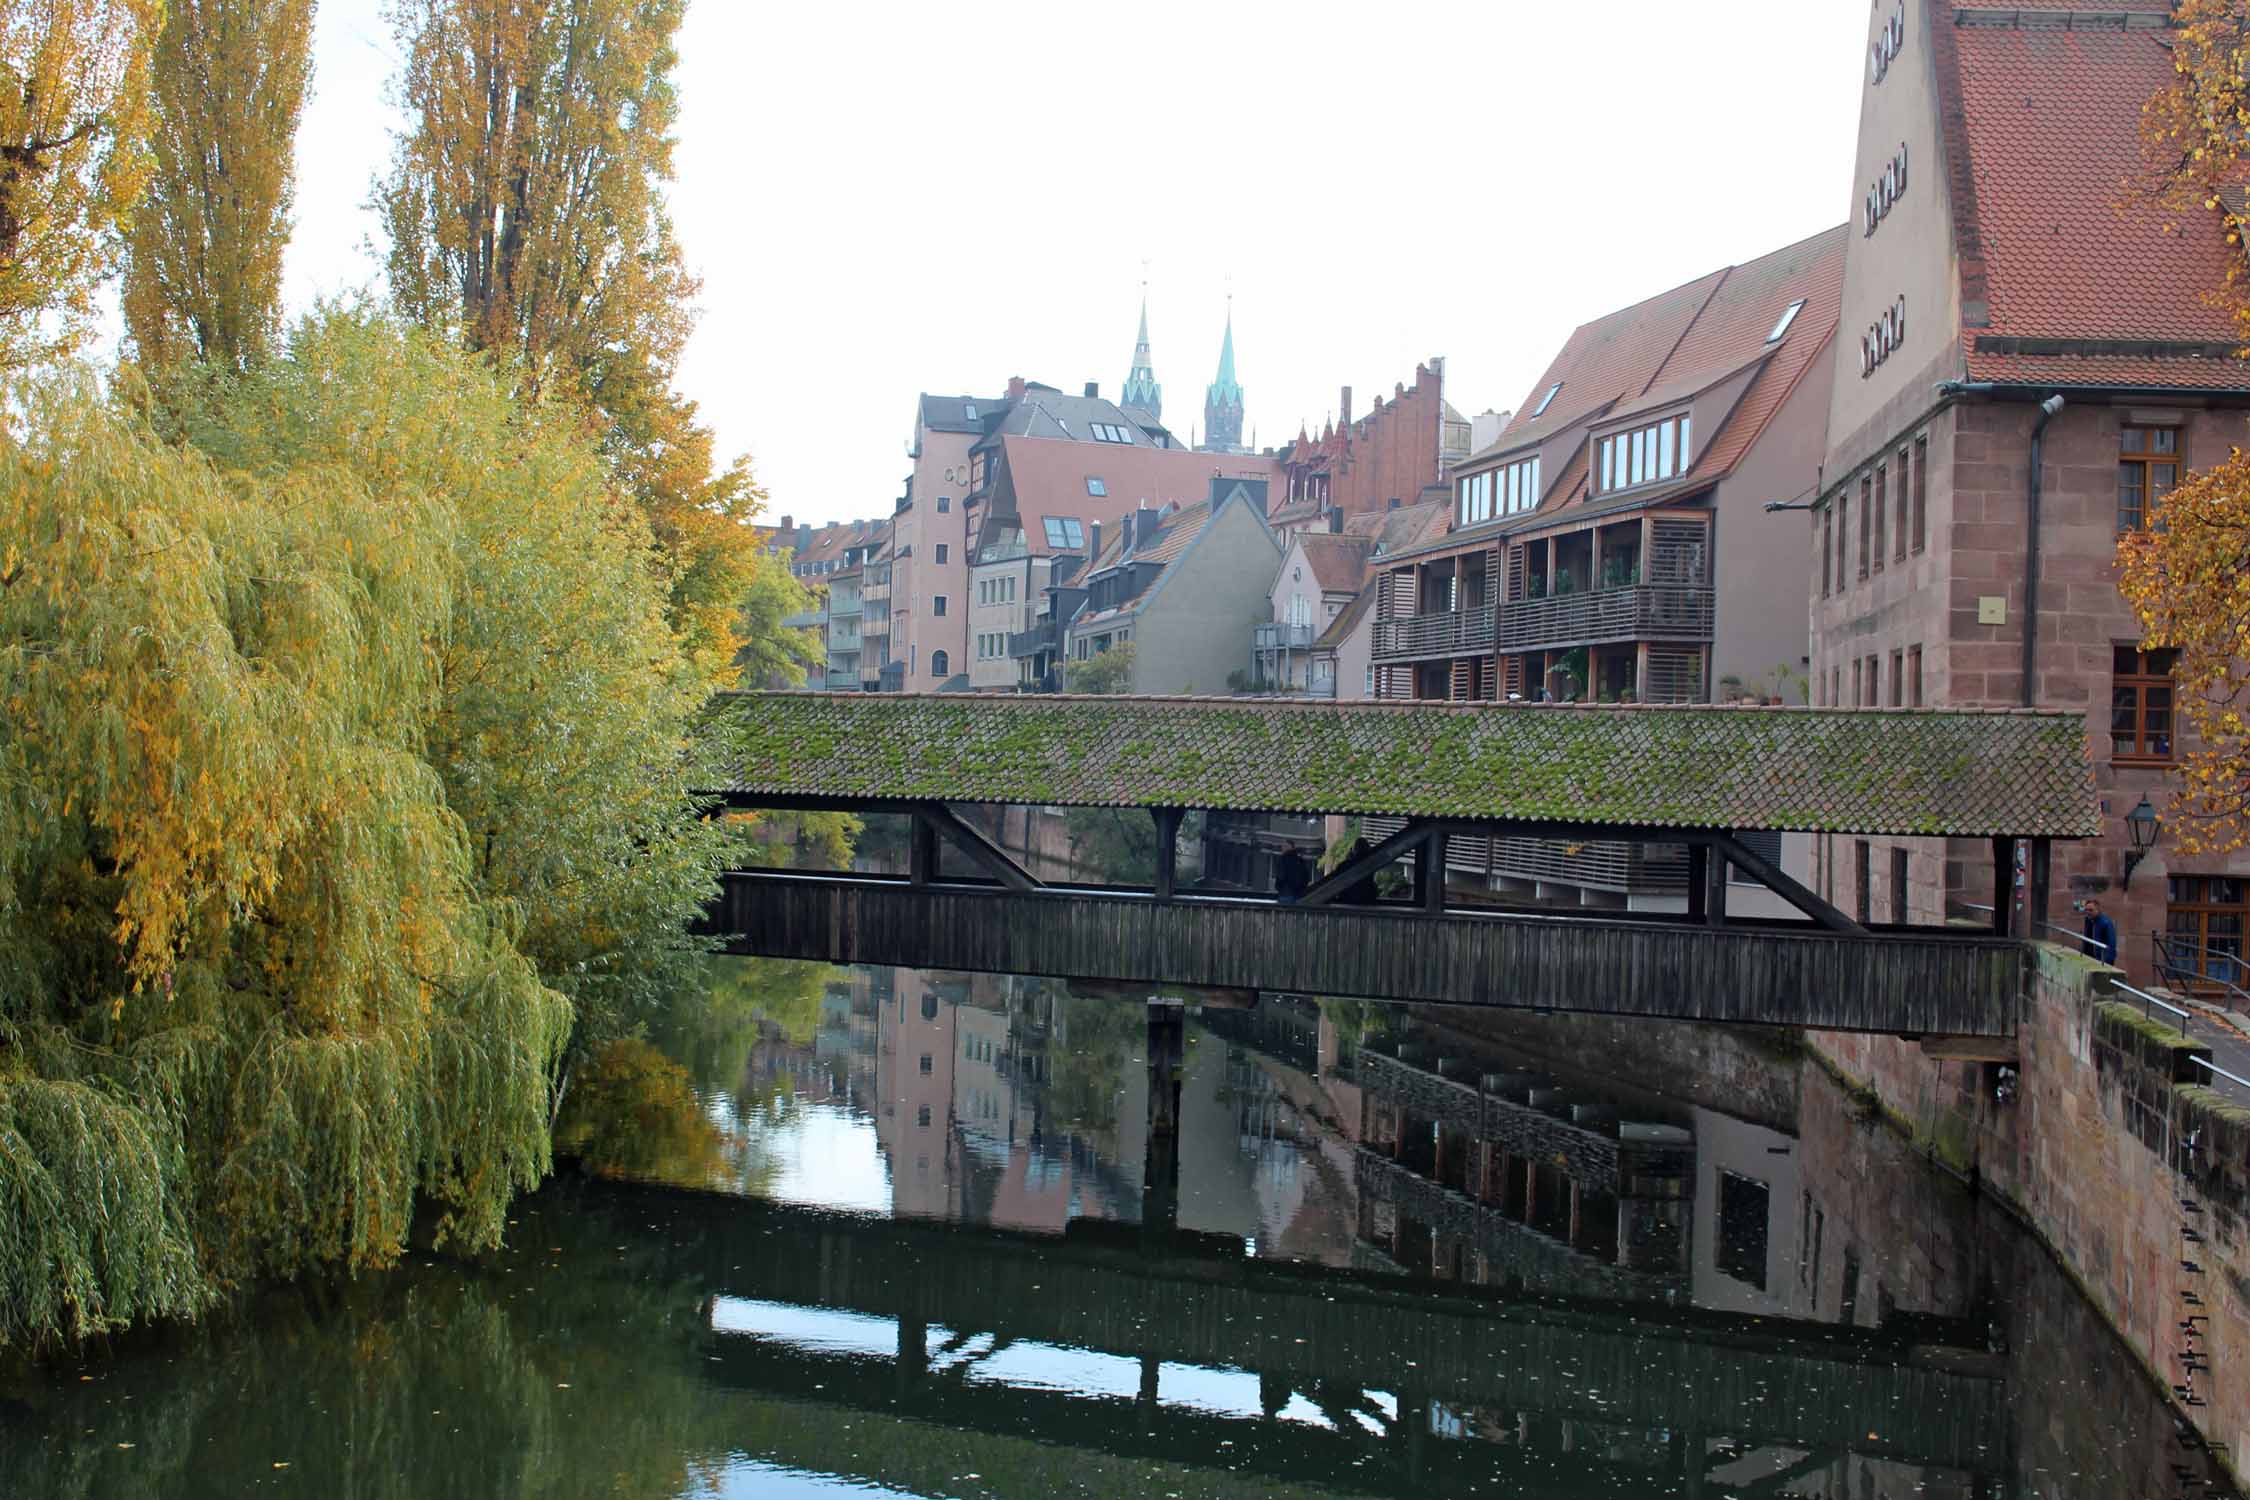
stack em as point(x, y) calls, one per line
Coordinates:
point(2101, 934)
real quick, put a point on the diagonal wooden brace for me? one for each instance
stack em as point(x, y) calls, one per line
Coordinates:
point(971, 840)
point(1781, 885)
point(1360, 866)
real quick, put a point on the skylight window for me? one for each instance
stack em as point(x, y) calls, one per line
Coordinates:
point(1063, 531)
point(1094, 485)
point(1552, 391)
point(1109, 432)
point(969, 410)
point(1788, 316)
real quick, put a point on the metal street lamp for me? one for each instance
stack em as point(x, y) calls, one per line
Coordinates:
point(2143, 827)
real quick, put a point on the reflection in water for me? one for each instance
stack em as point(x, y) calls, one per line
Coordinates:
point(1402, 1261)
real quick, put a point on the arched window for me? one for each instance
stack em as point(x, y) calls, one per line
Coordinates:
point(937, 664)
point(929, 1006)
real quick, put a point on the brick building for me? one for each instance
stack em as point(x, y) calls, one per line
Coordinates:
point(2028, 366)
point(1390, 456)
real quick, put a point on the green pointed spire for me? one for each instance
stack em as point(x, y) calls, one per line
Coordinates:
point(1222, 403)
point(1142, 393)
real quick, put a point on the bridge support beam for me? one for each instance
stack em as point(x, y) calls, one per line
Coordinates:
point(1167, 850)
point(1364, 865)
point(1160, 1182)
point(1726, 849)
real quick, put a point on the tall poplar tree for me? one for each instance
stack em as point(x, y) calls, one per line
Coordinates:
point(526, 212)
point(73, 159)
point(203, 273)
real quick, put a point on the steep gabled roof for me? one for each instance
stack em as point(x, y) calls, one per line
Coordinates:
point(1337, 562)
point(2069, 278)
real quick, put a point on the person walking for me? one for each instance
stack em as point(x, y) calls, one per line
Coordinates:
point(2101, 933)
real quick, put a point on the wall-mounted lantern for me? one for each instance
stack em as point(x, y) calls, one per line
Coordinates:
point(2144, 828)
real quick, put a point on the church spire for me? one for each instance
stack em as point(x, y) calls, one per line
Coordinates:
point(1222, 403)
point(1142, 393)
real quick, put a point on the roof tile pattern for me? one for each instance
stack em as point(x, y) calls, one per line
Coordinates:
point(1338, 562)
point(2052, 121)
point(1824, 770)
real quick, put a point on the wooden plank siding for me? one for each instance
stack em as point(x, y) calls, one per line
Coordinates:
point(1924, 982)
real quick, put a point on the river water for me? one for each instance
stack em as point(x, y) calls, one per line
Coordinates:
point(945, 1244)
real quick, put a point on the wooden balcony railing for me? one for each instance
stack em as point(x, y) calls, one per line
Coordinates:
point(1443, 633)
point(1638, 612)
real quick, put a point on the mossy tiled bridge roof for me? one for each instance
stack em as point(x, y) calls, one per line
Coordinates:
point(1963, 774)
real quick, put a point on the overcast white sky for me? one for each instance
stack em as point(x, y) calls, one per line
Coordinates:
point(883, 200)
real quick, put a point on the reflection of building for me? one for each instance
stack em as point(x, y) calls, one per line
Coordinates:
point(1517, 1177)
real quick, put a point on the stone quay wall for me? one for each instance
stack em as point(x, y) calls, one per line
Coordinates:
point(2101, 1136)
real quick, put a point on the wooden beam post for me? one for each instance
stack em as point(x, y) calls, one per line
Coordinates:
point(921, 848)
point(1167, 850)
point(1430, 861)
point(2038, 888)
point(1698, 883)
point(2003, 885)
point(1715, 890)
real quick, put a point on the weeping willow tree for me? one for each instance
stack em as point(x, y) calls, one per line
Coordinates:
point(344, 750)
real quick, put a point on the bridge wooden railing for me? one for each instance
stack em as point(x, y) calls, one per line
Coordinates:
point(1918, 981)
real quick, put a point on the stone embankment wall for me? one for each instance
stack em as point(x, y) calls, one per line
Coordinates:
point(2102, 1138)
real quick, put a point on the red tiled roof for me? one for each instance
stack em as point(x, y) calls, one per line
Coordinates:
point(2062, 249)
point(1611, 357)
point(1337, 561)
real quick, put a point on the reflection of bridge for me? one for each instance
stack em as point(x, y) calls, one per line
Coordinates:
point(1670, 777)
point(1913, 1391)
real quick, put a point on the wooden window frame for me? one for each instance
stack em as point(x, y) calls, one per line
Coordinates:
point(1866, 492)
point(1827, 542)
point(1921, 493)
point(2140, 683)
point(1900, 516)
point(1899, 898)
point(1898, 678)
point(2146, 460)
point(2203, 909)
point(1881, 513)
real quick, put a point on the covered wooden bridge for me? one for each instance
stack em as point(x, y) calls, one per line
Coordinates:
point(1697, 777)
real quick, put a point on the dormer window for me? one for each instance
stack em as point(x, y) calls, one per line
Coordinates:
point(1642, 455)
point(1109, 432)
point(1508, 490)
point(1788, 316)
point(1545, 401)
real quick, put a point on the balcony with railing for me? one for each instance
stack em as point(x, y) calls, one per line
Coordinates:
point(1279, 637)
point(1039, 638)
point(1445, 632)
point(1636, 612)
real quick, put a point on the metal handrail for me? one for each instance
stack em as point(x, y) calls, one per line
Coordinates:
point(2148, 1000)
point(2197, 966)
point(2223, 1073)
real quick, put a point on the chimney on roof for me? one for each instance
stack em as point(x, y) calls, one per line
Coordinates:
point(1093, 543)
point(1093, 390)
point(1335, 520)
point(1346, 408)
point(1015, 387)
point(788, 523)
